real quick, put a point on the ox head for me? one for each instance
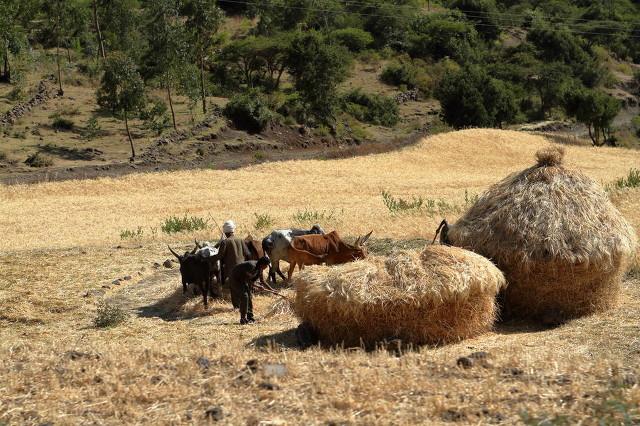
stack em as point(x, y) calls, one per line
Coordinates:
point(359, 249)
point(316, 229)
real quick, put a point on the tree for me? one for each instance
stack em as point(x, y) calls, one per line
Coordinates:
point(204, 18)
point(470, 97)
point(443, 35)
point(549, 81)
point(483, 13)
point(594, 109)
point(317, 68)
point(259, 60)
point(166, 53)
point(122, 90)
point(13, 17)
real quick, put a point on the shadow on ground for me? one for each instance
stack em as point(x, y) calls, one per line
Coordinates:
point(283, 339)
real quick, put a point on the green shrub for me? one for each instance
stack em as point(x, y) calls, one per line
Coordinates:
point(249, 111)
point(176, 224)
point(92, 129)
point(155, 116)
point(397, 73)
point(354, 39)
point(62, 124)
point(375, 109)
point(109, 316)
point(3, 156)
point(307, 216)
point(632, 180)
point(38, 160)
point(131, 233)
point(263, 221)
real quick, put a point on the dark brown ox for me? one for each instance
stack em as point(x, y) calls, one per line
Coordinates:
point(332, 248)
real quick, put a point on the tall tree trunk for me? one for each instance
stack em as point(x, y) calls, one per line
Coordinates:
point(126, 125)
point(173, 114)
point(7, 68)
point(68, 55)
point(96, 22)
point(593, 140)
point(202, 91)
point(60, 91)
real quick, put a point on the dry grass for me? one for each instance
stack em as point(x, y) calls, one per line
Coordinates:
point(562, 244)
point(444, 294)
point(59, 241)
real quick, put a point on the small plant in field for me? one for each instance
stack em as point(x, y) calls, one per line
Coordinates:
point(470, 198)
point(20, 134)
point(259, 156)
point(176, 224)
point(632, 180)
point(307, 216)
point(546, 420)
point(109, 316)
point(154, 231)
point(92, 129)
point(61, 123)
point(131, 233)
point(398, 204)
point(38, 160)
point(3, 156)
point(17, 94)
point(263, 221)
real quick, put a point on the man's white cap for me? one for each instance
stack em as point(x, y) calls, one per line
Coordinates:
point(229, 226)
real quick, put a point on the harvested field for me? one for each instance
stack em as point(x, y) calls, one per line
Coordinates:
point(171, 362)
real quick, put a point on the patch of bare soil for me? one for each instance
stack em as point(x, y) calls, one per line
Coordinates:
point(212, 144)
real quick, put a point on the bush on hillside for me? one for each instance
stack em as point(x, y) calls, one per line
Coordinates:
point(249, 111)
point(38, 160)
point(62, 124)
point(354, 39)
point(374, 109)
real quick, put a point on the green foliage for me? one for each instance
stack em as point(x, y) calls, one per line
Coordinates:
point(400, 73)
point(121, 88)
point(632, 180)
point(62, 124)
point(596, 110)
point(483, 14)
point(398, 204)
point(374, 109)
point(354, 39)
point(263, 221)
point(132, 233)
point(175, 224)
point(108, 315)
point(92, 129)
point(155, 116)
point(470, 97)
point(437, 36)
point(249, 111)
point(38, 160)
point(317, 68)
point(308, 216)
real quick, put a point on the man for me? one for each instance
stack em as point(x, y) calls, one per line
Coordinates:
point(241, 282)
point(232, 250)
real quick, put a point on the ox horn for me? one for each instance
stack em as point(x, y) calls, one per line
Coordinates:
point(366, 238)
point(174, 253)
point(444, 227)
point(197, 244)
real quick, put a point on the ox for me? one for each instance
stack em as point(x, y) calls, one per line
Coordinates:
point(276, 246)
point(198, 270)
point(301, 258)
point(331, 246)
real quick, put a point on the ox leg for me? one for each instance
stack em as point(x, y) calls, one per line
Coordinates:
point(184, 288)
point(292, 266)
point(280, 272)
point(205, 293)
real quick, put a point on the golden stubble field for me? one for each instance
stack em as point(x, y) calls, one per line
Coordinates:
point(171, 361)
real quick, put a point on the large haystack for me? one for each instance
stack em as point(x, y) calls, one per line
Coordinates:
point(561, 243)
point(441, 295)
